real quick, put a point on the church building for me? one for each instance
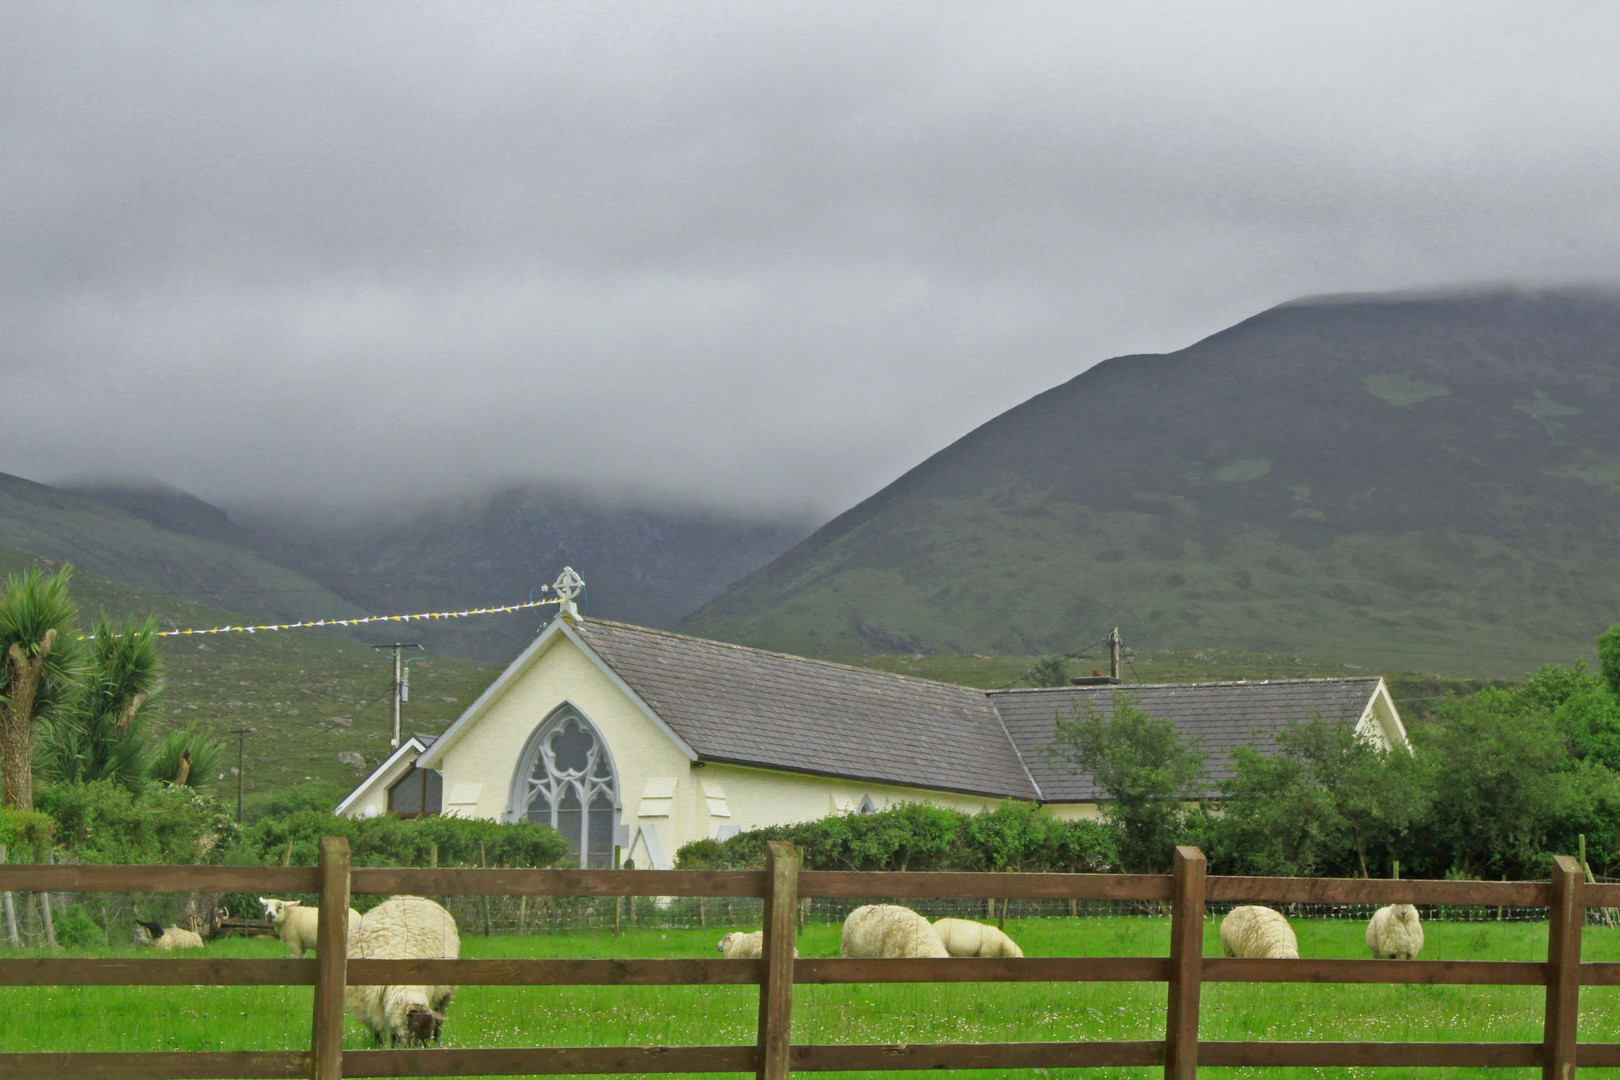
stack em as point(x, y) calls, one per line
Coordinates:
point(620, 735)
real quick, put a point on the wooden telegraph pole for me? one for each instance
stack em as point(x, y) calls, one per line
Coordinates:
point(398, 648)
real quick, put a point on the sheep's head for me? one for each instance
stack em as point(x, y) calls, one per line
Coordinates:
point(272, 908)
point(147, 932)
point(1404, 912)
point(422, 1025)
point(724, 942)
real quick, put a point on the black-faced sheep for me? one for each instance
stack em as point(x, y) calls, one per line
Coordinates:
point(740, 946)
point(964, 937)
point(403, 928)
point(1394, 933)
point(296, 923)
point(891, 931)
point(158, 936)
point(1258, 931)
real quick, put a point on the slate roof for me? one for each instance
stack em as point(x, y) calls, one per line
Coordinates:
point(1222, 715)
point(748, 706)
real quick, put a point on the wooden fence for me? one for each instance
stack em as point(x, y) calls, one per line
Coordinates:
point(781, 885)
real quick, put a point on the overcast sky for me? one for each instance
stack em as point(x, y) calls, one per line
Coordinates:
point(763, 256)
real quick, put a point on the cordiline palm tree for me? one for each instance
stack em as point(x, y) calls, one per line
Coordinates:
point(41, 670)
point(100, 736)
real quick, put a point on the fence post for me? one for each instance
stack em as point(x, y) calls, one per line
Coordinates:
point(1566, 913)
point(776, 989)
point(332, 943)
point(1186, 966)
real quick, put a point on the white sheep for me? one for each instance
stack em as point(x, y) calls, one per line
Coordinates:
point(403, 928)
point(1394, 933)
point(296, 922)
point(964, 937)
point(161, 937)
point(1258, 931)
point(889, 930)
point(740, 946)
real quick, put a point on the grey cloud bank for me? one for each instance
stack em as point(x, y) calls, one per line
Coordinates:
point(760, 257)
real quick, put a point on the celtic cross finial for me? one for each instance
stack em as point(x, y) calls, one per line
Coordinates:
point(568, 585)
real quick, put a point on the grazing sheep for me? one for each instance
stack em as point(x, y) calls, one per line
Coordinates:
point(891, 931)
point(964, 937)
point(296, 923)
point(403, 928)
point(1258, 931)
point(173, 937)
point(1394, 933)
point(739, 946)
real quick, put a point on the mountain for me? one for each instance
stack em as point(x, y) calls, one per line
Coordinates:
point(95, 535)
point(644, 565)
point(1408, 481)
point(319, 708)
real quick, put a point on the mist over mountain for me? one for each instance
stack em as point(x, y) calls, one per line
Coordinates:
point(1427, 481)
point(641, 564)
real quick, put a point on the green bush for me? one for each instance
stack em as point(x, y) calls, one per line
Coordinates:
point(75, 929)
point(396, 841)
point(919, 836)
point(104, 822)
point(26, 833)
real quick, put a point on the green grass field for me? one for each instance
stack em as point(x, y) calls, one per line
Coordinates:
point(278, 1018)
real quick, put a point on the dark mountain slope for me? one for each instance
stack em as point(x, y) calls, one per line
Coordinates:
point(642, 565)
point(1418, 481)
point(100, 538)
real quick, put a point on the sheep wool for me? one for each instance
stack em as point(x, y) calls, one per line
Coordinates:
point(964, 937)
point(740, 946)
point(889, 931)
point(1259, 932)
point(403, 928)
point(1394, 933)
point(158, 936)
point(296, 923)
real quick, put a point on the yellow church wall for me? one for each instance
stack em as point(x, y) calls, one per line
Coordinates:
point(487, 755)
point(1074, 811)
point(760, 797)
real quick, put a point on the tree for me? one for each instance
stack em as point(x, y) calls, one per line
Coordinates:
point(40, 670)
point(1049, 671)
point(1147, 772)
point(100, 736)
point(1608, 647)
point(1320, 804)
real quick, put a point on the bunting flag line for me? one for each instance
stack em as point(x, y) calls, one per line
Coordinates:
point(307, 624)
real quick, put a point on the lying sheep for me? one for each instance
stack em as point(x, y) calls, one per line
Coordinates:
point(891, 931)
point(739, 946)
point(964, 937)
point(1394, 933)
point(403, 928)
point(1258, 931)
point(296, 923)
point(161, 937)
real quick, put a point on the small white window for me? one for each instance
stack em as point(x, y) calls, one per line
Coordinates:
point(867, 805)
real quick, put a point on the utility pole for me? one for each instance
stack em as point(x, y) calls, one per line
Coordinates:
point(1113, 655)
point(398, 648)
point(241, 734)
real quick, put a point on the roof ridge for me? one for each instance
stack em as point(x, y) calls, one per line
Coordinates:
point(795, 657)
point(1172, 685)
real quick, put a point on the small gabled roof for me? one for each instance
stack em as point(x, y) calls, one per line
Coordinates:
point(751, 707)
point(410, 747)
point(1222, 715)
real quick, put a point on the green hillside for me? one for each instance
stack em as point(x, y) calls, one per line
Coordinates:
point(1406, 483)
point(96, 536)
point(308, 696)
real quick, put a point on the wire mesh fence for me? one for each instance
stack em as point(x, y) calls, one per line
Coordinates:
point(31, 921)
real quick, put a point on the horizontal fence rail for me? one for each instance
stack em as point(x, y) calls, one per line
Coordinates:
point(1185, 891)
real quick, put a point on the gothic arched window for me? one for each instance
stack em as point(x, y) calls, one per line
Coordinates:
point(565, 780)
